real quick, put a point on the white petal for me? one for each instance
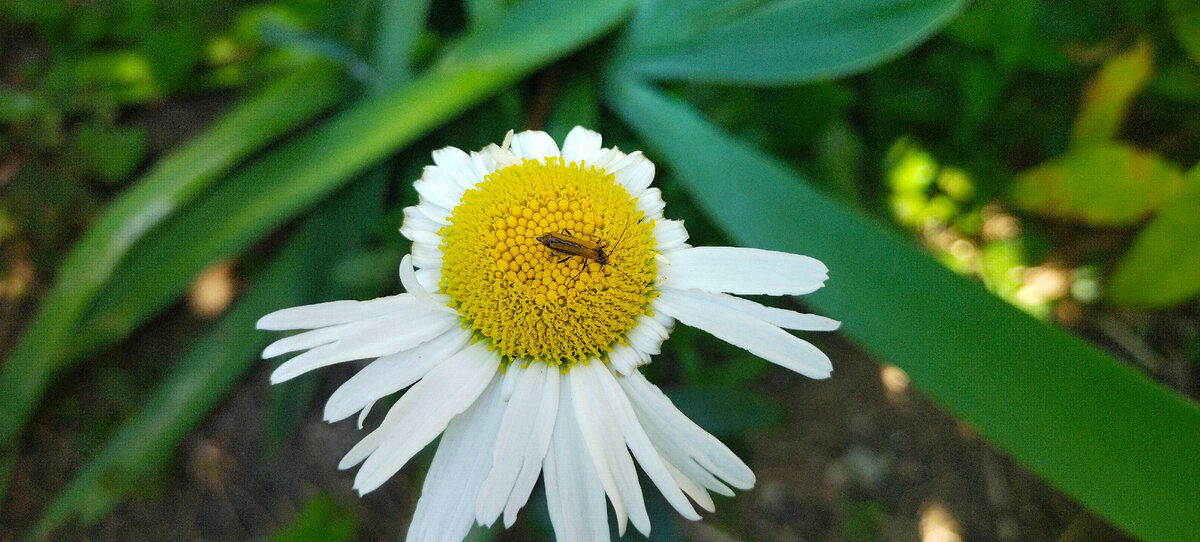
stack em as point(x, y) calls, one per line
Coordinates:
point(680, 439)
point(408, 278)
point(444, 511)
point(421, 415)
point(521, 446)
point(534, 145)
point(580, 145)
point(574, 493)
point(624, 359)
point(426, 255)
point(376, 337)
point(744, 271)
point(647, 335)
point(608, 396)
point(606, 446)
point(669, 235)
point(416, 221)
point(332, 313)
point(458, 166)
point(732, 326)
point(438, 190)
point(777, 317)
point(635, 172)
point(429, 277)
point(390, 374)
point(651, 204)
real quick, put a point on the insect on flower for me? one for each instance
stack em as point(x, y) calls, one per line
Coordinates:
point(570, 245)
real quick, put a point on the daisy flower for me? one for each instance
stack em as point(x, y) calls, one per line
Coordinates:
point(540, 279)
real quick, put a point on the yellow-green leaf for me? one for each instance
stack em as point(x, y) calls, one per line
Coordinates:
point(1108, 95)
point(1109, 184)
point(1162, 268)
point(1185, 20)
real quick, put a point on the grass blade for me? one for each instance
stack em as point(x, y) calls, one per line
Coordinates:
point(172, 184)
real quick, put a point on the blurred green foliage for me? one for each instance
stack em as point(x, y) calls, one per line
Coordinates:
point(1037, 147)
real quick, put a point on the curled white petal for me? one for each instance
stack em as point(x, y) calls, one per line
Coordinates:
point(460, 167)
point(744, 271)
point(760, 338)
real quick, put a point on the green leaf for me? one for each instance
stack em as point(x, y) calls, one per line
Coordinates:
point(1185, 21)
point(724, 41)
point(1162, 268)
point(1106, 435)
point(112, 152)
point(726, 411)
point(322, 518)
point(144, 446)
point(1109, 184)
point(171, 184)
point(1108, 95)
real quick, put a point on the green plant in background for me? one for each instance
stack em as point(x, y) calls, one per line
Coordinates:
point(1121, 445)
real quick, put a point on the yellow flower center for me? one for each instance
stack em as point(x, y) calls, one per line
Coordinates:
point(548, 261)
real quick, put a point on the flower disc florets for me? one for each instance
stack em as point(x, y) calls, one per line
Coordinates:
point(537, 299)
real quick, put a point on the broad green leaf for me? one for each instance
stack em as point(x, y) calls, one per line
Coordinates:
point(1162, 268)
point(779, 42)
point(1185, 21)
point(1108, 95)
point(144, 446)
point(1110, 184)
point(170, 185)
point(1106, 435)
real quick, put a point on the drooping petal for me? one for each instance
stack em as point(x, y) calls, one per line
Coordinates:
point(534, 145)
point(783, 318)
point(606, 446)
point(392, 373)
point(580, 145)
point(749, 271)
point(333, 313)
point(607, 396)
point(525, 432)
point(421, 415)
point(760, 338)
point(688, 446)
point(574, 493)
point(376, 337)
point(444, 511)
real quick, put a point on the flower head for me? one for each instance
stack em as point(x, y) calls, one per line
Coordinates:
point(539, 281)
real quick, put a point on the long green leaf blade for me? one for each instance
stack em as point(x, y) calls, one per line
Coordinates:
point(170, 185)
point(1122, 445)
point(144, 446)
point(280, 184)
point(718, 41)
